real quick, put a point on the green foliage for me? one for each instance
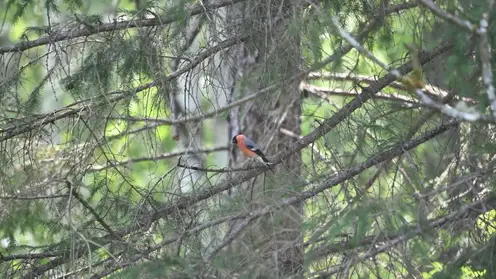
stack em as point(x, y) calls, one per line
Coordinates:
point(117, 154)
point(19, 7)
point(25, 220)
point(94, 76)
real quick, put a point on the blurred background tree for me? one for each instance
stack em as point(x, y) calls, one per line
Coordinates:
point(116, 119)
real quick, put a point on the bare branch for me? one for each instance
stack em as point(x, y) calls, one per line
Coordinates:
point(252, 215)
point(326, 93)
point(464, 114)
point(33, 198)
point(327, 125)
point(116, 26)
point(112, 97)
point(446, 109)
point(221, 170)
point(29, 256)
point(485, 57)
point(433, 91)
point(399, 239)
point(465, 24)
point(239, 227)
point(162, 156)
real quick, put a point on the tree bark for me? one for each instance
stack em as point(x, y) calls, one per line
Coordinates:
point(274, 49)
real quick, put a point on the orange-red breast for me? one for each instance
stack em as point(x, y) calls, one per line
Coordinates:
point(250, 149)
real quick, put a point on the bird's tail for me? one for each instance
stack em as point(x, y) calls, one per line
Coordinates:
point(267, 163)
point(270, 168)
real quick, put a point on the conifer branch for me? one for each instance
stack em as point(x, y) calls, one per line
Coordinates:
point(248, 217)
point(326, 93)
point(465, 24)
point(218, 170)
point(464, 113)
point(98, 218)
point(58, 36)
point(298, 145)
point(162, 156)
point(411, 233)
point(190, 200)
point(89, 105)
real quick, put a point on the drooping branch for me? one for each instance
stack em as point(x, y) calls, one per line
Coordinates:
point(162, 156)
point(465, 114)
point(431, 90)
point(465, 24)
point(247, 217)
point(87, 106)
point(417, 230)
point(97, 216)
point(88, 30)
point(324, 128)
point(326, 93)
point(218, 170)
point(298, 145)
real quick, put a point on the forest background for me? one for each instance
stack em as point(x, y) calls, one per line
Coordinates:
point(116, 119)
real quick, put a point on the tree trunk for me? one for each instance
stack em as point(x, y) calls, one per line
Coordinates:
point(274, 49)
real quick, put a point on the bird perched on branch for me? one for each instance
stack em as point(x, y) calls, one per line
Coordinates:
point(250, 149)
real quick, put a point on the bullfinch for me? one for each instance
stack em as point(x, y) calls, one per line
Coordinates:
point(250, 148)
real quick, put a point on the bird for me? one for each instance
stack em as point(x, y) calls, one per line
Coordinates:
point(250, 149)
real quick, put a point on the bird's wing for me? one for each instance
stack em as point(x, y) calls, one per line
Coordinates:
point(253, 147)
point(251, 144)
point(260, 153)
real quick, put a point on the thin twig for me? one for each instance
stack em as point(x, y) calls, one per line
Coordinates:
point(324, 128)
point(33, 198)
point(112, 97)
point(446, 109)
point(326, 93)
point(252, 215)
point(116, 26)
point(219, 170)
point(239, 227)
point(397, 240)
point(162, 156)
point(353, 42)
point(465, 24)
point(93, 212)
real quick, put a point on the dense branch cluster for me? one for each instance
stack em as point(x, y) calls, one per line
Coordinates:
point(114, 160)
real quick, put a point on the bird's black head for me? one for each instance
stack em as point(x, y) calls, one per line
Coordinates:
point(234, 140)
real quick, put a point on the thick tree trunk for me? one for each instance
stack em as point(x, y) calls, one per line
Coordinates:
point(275, 48)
